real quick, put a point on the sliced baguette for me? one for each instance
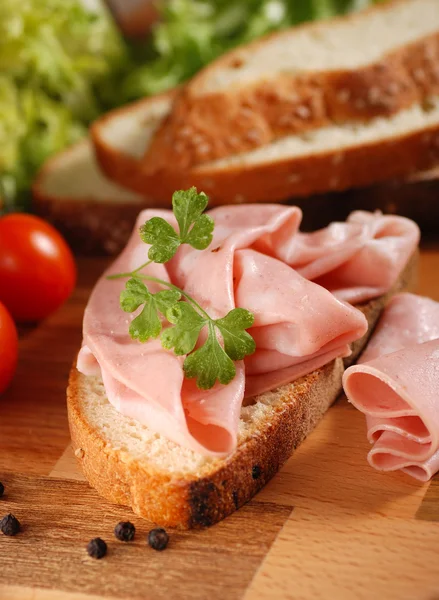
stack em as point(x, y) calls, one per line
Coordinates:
point(122, 136)
point(95, 214)
point(332, 158)
point(176, 487)
point(368, 64)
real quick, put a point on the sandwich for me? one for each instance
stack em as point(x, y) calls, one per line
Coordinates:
point(215, 343)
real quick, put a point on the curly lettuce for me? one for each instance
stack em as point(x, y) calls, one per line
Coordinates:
point(58, 65)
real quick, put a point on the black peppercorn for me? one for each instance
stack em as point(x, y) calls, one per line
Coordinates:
point(97, 548)
point(2, 489)
point(158, 539)
point(10, 525)
point(124, 531)
point(256, 472)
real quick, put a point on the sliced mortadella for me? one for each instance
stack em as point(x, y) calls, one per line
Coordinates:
point(258, 384)
point(87, 363)
point(208, 275)
point(410, 427)
point(423, 471)
point(407, 320)
point(299, 326)
point(145, 381)
point(391, 389)
point(356, 260)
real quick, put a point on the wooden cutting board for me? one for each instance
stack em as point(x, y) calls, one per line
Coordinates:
point(327, 526)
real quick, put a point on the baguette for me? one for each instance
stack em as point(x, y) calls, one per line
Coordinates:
point(333, 158)
point(76, 193)
point(95, 214)
point(301, 79)
point(176, 487)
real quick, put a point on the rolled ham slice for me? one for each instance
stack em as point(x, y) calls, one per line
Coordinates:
point(396, 385)
point(258, 260)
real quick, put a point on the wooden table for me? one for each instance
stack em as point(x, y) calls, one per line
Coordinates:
point(327, 526)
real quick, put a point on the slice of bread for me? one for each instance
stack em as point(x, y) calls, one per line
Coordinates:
point(129, 464)
point(71, 190)
point(331, 158)
point(373, 63)
point(94, 214)
point(122, 136)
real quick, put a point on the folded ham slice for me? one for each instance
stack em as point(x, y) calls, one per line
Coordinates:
point(357, 260)
point(257, 260)
point(396, 385)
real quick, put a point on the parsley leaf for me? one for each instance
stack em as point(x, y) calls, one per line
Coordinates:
point(147, 324)
point(237, 342)
point(209, 363)
point(187, 326)
point(188, 206)
point(196, 229)
point(134, 294)
point(166, 299)
point(201, 234)
point(163, 239)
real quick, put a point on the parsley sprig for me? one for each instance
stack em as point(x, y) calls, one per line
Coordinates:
point(211, 361)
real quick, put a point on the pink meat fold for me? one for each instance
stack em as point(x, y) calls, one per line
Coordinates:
point(396, 385)
point(258, 260)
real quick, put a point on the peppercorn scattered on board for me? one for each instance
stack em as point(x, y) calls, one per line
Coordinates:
point(326, 526)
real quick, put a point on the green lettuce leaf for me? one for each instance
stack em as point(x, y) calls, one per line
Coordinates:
point(58, 61)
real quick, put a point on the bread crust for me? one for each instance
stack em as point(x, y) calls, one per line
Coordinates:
point(203, 127)
point(199, 502)
point(91, 226)
point(194, 502)
point(359, 165)
point(118, 166)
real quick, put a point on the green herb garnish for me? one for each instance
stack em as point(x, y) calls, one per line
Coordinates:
point(210, 362)
point(195, 228)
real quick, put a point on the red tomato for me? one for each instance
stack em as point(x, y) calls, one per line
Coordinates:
point(8, 348)
point(37, 269)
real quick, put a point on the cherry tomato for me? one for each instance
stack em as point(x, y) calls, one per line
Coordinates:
point(37, 269)
point(8, 348)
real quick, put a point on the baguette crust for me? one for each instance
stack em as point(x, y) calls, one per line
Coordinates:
point(359, 165)
point(204, 498)
point(212, 125)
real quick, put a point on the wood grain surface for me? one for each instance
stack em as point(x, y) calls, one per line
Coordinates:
point(327, 526)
